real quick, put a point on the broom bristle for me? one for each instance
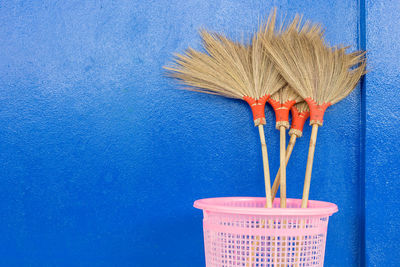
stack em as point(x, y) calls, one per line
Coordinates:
point(286, 94)
point(229, 68)
point(324, 74)
point(302, 107)
point(206, 74)
point(267, 78)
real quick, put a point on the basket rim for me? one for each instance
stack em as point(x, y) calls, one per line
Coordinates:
point(218, 204)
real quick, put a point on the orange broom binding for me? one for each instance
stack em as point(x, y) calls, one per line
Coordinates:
point(316, 111)
point(298, 120)
point(281, 112)
point(258, 108)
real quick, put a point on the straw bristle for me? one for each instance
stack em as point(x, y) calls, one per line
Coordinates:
point(228, 68)
point(302, 107)
point(217, 72)
point(324, 74)
point(286, 94)
point(267, 78)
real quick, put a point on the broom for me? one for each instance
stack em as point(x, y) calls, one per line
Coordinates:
point(282, 101)
point(320, 74)
point(300, 113)
point(235, 71)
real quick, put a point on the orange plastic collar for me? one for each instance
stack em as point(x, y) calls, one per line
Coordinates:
point(258, 108)
point(316, 111)
point(299, 118)
point(282, 110)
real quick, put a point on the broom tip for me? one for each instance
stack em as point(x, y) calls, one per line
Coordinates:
point(294, 51)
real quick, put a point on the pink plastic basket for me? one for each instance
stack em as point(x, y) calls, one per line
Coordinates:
point(239, 231)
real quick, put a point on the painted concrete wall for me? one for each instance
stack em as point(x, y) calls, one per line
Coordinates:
point(101, 157)
point(381, 116)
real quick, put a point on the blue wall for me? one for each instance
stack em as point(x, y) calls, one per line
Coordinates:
point(381, 117)
point(101, 157)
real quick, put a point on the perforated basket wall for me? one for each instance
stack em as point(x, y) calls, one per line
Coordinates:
point(285, 238)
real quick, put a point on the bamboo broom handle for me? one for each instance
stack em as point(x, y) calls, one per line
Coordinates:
point(307, 179)
point(310, 159)
point(282, 157)
point(289, 150)
point(268, 203)
point(267, 178)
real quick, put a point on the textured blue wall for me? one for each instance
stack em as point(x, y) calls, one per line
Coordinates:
point(382, 112)
point(101, 157)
